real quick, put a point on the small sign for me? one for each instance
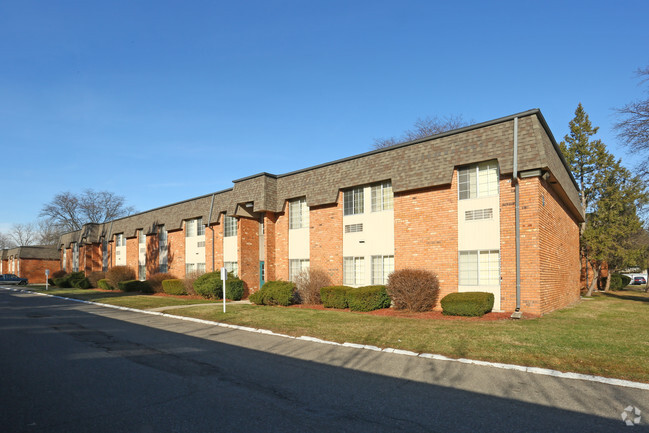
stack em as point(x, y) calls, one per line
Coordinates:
point(47, 272)
point(224, 274)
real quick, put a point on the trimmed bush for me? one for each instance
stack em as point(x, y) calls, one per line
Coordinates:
point(413, 289)
point(467, 304)
point(94, 278)
point(104, 285)
point(308, 283)
point(155, 281)
point(117, 274)
point(81, 284)
point(210, 286)
point(173, 287)
point(134, 286)
point(368, 298)
point(62, 282)
point(275, 293)
point(334, 296)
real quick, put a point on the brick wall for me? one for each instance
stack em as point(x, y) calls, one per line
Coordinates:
point(559, 252)
point(132, 254)
point(90, 258)
point(248, 253)
point(152, 264)
point(34, 269)
point(270, 221)
point(326, 239)
point(425, 233)
point(176, 253)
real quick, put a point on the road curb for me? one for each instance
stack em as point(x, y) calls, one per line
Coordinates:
point(524, 369)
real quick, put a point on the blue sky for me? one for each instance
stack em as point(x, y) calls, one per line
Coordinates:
point(160, 101)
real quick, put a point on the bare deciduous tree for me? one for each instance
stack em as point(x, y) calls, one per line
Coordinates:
point(424, 128)
point(6, 241)
point(71, 211)
point(633, 128)
point(24, 234)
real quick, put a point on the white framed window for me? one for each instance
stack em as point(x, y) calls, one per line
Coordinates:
point(382, 266)
point(229, 226)
point(353, 271)
point(353, 201)
point(382, 197)
point(75, 257)
point(295, 266)
point(200, 268)
point(190, 268)
point(478, 180)
point(120, 240)
point(141, 272)
point(298, 214)
point(194, 227)
point(479, 268)
point(141, 237)
point(104, 255)
point(232, 267)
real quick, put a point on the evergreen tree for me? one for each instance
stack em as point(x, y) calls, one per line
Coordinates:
point(610, 196)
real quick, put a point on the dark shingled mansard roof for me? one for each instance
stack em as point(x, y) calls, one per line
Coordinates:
point(421, 163)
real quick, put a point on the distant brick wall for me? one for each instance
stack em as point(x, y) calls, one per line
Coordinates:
point(270, 221)
point(132, 254)
point(426, 235)
point(326, 239)
point(34, 269)
point(152, 265)
point(281, 245)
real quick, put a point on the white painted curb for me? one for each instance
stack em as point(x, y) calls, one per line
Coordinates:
point(531, 370)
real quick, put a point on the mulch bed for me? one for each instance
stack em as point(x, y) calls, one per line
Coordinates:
point(434, 315)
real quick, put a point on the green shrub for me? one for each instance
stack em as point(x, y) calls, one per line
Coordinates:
point(173, 287)
point(104, 285)
point(626, 280)
point(117, 274)
point(134, 286)
point(275, 293)
point(368, 298)
point(467, 303)
point(62, 282)
point(81, 284)
point(413, 289)
point(334, 296)
point(210, 286)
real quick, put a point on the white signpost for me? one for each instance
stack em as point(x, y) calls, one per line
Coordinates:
point(224, 277)
point(47, 277)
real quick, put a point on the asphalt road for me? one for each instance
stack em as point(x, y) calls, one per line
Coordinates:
point(70, 367)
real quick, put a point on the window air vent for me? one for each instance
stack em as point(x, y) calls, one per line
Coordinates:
point(353, 228)
point(479, 214)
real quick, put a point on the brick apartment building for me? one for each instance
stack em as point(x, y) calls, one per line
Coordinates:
point(30, 262)
point(446, 203)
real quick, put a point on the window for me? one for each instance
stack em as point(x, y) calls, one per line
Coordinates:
point(120, 241)
point(295, 266)
point(104, 255)
point(141, 272)
point(298, 214)
point(232, 267)
point(382, 197)
point(479, 214)
point(261, 227)
point(479, 268)
point(75, 257)
point(141, 237)
point(353, 201)
point(190, 268)
point(230, 226)
point(200, 268)
point(194, 227)
point(382, 266)
point(479, 180)
point(162, 249)
point(353, 272)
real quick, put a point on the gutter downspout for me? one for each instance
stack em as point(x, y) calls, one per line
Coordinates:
point(517, 313)
point(209, 221)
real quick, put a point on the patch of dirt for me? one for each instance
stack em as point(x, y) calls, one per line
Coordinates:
point(431, 315)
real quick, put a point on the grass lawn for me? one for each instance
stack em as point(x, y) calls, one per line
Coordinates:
point(607, 335)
